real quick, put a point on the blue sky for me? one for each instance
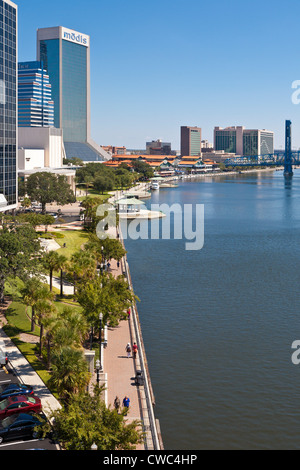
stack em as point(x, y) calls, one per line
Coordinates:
point(161, 64)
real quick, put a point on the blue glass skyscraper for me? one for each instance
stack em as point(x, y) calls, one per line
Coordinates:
point(8, 105)
point(35, 104)
point(66, 57)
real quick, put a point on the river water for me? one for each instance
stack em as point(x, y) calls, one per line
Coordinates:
point(218, 323)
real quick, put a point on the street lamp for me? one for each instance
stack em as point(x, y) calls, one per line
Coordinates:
point(98, 367)
point(100, 340)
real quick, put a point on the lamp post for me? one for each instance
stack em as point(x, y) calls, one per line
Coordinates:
point(98, 367)
point(100, 340)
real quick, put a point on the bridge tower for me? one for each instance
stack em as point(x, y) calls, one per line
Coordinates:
point(288, 166)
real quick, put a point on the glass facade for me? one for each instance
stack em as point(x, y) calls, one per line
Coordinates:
point(8, 105)
point(225, 140)
point(71, 93)
point(49, 55)
point(35, 105)
point(266, 143)
point(250, 143)
point(195, 143)
point(74, 92)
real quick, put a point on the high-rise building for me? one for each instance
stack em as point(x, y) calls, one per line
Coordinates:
point(8, 105)
point(66, 57)
point(191, 141)
point(244, 142)
point(35, 104)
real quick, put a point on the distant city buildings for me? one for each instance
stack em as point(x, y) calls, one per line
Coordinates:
point(157, 147)
point(8, 105)
point(112, 150)
point(35, 104)
point(244, 142)
point(66, 57)
point(190, 141)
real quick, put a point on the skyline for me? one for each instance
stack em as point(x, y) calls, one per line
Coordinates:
point(159, 66)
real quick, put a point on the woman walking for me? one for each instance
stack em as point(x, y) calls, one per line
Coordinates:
point(128, 350)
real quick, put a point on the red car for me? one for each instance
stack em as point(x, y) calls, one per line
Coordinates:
point(19, 404)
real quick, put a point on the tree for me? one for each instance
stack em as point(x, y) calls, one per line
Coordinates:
point(103, 184)
point(82, 266)
point(45, 188)
point(144, 169)
point(86, 420)
point(90, 205)
point(109, 248)
point(70, 373)
point(32, 293)
point(105, 294)
point(20, 250)
point(71, 330)
point(45, 310)
point(52, 261)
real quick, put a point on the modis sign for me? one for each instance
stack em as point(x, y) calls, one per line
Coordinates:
point(74, 36)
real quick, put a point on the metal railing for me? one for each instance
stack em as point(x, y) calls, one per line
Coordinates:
point(149, 396)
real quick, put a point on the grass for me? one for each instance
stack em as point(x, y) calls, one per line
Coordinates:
point(93, 193)
point(19, 320)
point(74, 239)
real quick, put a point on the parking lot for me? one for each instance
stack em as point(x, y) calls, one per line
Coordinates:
point(7, 377)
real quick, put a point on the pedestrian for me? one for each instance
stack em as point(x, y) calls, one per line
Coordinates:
point(134, 350)
point(128, 350)
point(126, 403)
point(117, 404)
point(128, 313)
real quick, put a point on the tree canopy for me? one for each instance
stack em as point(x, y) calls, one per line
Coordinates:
point(45, 188)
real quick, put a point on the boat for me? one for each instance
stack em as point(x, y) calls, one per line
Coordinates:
point(154, 185)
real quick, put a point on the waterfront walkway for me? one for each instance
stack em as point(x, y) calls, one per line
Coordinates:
point(119, 371)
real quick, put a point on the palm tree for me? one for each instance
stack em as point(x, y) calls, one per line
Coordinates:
point(33, 293)
point(45, 309)
point(82, 266)
point(61, 264)
point(73, 325)
point(69, 371)
point(51, 261)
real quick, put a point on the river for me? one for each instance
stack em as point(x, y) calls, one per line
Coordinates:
point(218, 323)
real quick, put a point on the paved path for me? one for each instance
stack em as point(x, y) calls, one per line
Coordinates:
point(28, 376)
point(120, 369)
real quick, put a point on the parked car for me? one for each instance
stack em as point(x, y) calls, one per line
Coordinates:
point(3, 357)
point(15, 389)
point(20, 426)
point(19, 404)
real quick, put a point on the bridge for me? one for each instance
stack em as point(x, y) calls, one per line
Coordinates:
point(287, 158)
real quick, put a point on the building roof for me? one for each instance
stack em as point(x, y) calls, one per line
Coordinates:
point(129, 202)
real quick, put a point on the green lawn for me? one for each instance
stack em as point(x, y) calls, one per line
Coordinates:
point(74, 239)
point(93, 193)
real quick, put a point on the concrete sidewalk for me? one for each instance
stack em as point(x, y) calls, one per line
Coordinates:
point(27, 375)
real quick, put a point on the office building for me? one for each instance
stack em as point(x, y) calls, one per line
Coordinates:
point(35, 104)
point(157, 147)
point(66, 57)
point(190, 141)
point(243, 142)
point(8, 105)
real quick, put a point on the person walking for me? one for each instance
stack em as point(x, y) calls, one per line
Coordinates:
point(126, 404)
point(128, 350)
point(117, 404)
point(134, 350)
